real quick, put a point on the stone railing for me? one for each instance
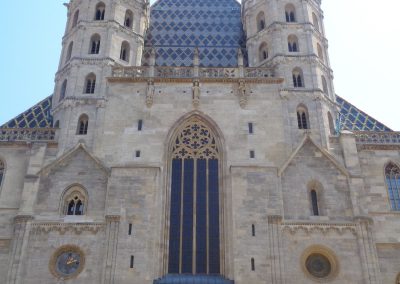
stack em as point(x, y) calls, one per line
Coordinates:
point(191, 72)
point(377, 138)
point(27, 134)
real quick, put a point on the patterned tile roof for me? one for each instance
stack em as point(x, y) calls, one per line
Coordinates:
point(37, 116)
point(177, 27)
point(352, 118)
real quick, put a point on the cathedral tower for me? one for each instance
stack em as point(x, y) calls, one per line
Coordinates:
point(290, 36)
point(98, 35)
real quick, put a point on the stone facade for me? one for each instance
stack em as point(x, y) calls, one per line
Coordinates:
point(121, 168)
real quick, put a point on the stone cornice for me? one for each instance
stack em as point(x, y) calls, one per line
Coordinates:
point(201, 80)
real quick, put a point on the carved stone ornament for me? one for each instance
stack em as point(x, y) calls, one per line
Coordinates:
point(196, 93)
point(243, 94)
point(324, 229)
point(63, 228)
point(67, 262)
point(150, 93)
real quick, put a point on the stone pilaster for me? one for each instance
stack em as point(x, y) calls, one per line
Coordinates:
point(112, 230)
point(275, 248)
point(368, 254)
point(22, 225)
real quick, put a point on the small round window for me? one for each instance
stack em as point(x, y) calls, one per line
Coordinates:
point(318, 266)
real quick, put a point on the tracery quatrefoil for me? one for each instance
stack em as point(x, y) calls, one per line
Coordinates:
point(195, 140)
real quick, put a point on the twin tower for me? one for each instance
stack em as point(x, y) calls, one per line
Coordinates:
point(287, 35)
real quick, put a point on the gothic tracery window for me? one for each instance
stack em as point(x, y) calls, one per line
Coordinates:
point(74, 202)
point(83, 125)
point(194, 233)
point(95, 44)
point(302, 117)
point(392, 174)
point(100, 11)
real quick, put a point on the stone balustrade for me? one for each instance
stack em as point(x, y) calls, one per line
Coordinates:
point(27, 134)
point(191, 72)
point(377, 138)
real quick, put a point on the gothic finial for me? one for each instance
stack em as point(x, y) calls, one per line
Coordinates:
point(196, 58)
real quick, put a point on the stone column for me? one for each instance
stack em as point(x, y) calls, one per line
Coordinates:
point(275, 248)
point(22, 225)
point(112, 230)
point(367, 249)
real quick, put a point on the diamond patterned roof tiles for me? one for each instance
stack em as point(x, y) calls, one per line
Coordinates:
point(37, 116)
point(352, 118)
point(177, 27)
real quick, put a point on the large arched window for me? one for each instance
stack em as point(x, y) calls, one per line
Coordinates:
point(63, 90)
point(100, 11)
point(74, 201)
point(83, 125)
point(290, 13)
point(298, 80)
point(75, 19)
point(69, 51)
point(128, 21)
point(125, 50)
point(94, 44)
point(90, 83)
point(302, 117)
point(2, 170)
point(293, 43)
point(194, 233)
point(392, 174)
point(263, 52)
point(260, 21)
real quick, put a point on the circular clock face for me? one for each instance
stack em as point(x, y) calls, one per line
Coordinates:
point(67, 262)
point(318, 266)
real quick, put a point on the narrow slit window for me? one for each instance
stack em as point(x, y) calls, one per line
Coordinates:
point(253, 265)
point(132, 261)
point(140, 125)
point(130, 230)
point(253, 230)
point(251, 130)
point(252, 154)
point(137, 154)
point(314, 202)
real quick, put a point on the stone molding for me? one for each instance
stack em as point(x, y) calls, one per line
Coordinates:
point(63, 228)
point(22, 219)
point(324, 228)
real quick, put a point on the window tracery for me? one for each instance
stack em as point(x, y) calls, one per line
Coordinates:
point(392, 174)
point(74, 202)
point(194, 233)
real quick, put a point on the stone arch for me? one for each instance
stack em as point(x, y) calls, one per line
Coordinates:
point(317, 187)
point(74, 191)
point(176, 137)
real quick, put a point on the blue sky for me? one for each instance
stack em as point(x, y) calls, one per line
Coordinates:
point(363, 44)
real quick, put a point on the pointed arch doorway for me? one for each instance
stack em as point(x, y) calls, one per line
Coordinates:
point(195, 211)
